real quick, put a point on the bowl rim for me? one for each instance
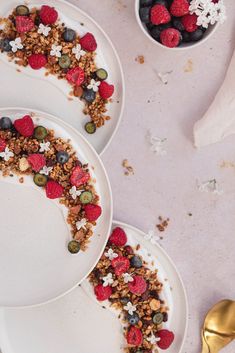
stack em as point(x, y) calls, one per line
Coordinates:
point(180, 48)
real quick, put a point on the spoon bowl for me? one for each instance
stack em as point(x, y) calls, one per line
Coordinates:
point(219, 327)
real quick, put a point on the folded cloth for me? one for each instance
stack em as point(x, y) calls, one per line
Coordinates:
point(219, 120)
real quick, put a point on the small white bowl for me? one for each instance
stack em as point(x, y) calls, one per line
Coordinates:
point(209, 32)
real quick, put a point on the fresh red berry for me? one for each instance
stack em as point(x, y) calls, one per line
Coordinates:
point(159, 14)
point(37, 61)
point(138, 286)
point(170, 37)
point(190, 22)
point(48, 15)
point(120, 264)
point(79, 177)
point(166, 339)
point(76, 76)
point(24, 126)
point(102, 293)
point(179, 8)
point(118, 237)
point(3, 145)
point(92, 212)
point(54, 190)
point(134, 336)
point(37, 161)
point(88, 42)
point(24, 24)
point(106, 90)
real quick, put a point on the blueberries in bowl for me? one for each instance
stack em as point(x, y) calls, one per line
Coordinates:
point(171, 23)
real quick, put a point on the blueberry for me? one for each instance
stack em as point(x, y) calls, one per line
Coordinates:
point(133, 319)
point(186, 36)
point(62, 157)
point(144, 3)
point(145, 14)
point(69, 35)
point(196, 35)
point(155, 32)
point(5, 45)
point(178, 24)
point(161, 2)
point(136, 262)
point(5, 123)
point(89, 95)
point(124, 300)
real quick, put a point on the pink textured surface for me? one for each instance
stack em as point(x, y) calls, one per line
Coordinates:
point(203, 245)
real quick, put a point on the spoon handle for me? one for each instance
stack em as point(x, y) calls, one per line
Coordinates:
point(205, 348)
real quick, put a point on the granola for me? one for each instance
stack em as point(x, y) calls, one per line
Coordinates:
point(28, 149)
point(36, 38)
point(124, 278)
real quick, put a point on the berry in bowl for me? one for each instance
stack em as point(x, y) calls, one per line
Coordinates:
point(179, 23)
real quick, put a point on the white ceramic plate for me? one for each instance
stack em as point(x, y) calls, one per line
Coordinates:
point(76, 323)
point(30, 88)
point(35, 265)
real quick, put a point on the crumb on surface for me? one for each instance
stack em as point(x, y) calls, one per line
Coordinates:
point(163, 224)
point(140, 59)
point(189, 66)
point(128, 169)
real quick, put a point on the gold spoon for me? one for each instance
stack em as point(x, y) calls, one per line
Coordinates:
point(219, 327)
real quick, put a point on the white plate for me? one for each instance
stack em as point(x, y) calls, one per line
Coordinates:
point(50, 94)
point(35, 265)
point(75, 323)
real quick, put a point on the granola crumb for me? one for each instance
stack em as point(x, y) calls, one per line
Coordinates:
point(163, 224)
point(140, 59)
point(189, 66)
point(128, 169)
point(21, 180)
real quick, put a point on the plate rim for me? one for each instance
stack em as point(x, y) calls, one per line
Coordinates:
point(141, 232)
point(17, 109)
point(116, 55)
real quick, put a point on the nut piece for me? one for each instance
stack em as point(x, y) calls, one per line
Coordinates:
point(155, 304)
point(23, 164)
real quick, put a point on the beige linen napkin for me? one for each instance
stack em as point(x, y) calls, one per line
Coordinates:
point(219, 120)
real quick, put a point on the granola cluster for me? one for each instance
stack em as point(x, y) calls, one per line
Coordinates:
point(124, 279)
point(37, 38)
point(28, 149)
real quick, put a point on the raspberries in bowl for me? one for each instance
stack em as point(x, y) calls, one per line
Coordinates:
point(179, 23)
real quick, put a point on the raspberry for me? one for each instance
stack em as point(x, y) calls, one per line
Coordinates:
point(54, 190)
point(170, 37)
point(25, 126)
point(79, 177)
point(92, 212)
point(3, 145)
point(190, 22)
point(120, 265)
point(134, 336)
point(37, 61)
point(76, 76)
point(88, 42)
point(166, 339)
point(138, 286)
point(106, 90)
point(102, 293)
point(179, 8)
point(37, 161)
point(159, 14)
point(118, 237)
point(48, 15)
point(24, 24)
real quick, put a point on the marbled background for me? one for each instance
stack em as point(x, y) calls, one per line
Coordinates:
point(202, 245)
